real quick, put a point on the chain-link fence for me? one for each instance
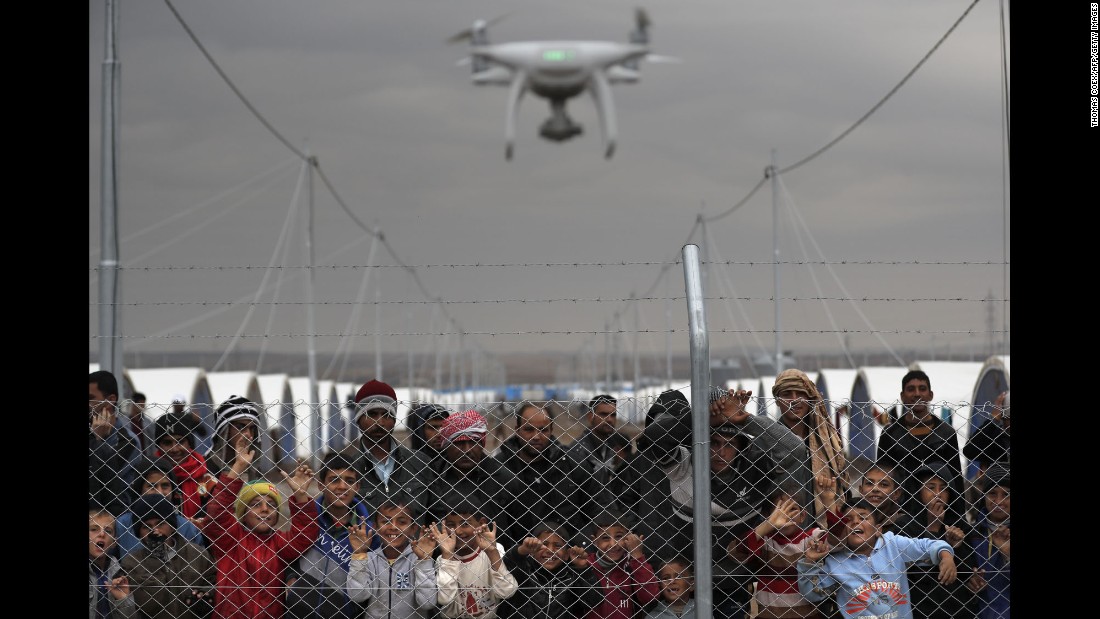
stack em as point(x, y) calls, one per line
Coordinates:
point(546, 508)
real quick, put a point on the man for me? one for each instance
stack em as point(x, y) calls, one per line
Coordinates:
point(386, 467)
point(464, 470)
point(742, 476)
point(548, 477)
point(136, 415)
point(918, 438)
point(990, 442)
point(593, 450)
point(113, 452)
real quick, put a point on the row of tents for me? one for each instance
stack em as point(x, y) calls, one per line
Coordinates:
point(861, 400)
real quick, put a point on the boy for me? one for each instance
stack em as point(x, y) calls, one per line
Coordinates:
point(621, 567)
point(174, 435)
point(992, 546)
point(251, 554)
point(868, 573)
point(170, 578)
point(778, 543)
point(108, 588)
point(554, 579)
point(470, 572)
point(677, 601)
point(397, 579)
point(157, 478)
point(317, 581)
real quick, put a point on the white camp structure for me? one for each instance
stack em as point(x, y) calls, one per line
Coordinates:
point(952, 389)
point(875, 389)
point(993, 379)
point(161, 385)
point(278, 403)
point(224, 385)
point(305, 446)
point(333, 430)
point(835, 386)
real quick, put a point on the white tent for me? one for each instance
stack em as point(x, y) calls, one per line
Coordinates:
point(874, 390)
point(162, 385)
point(993, 379)
point(224, 385)
point(332, 424)
point(278, 402)
point(835, 386)
point(305, 445)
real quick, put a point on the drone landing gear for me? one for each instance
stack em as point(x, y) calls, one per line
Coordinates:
point(559, 127)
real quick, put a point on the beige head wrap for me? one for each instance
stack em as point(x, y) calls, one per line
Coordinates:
point(825, 446)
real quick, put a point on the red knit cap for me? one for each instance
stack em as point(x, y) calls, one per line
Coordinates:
point(375, 394)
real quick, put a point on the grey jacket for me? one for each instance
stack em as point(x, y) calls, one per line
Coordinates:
point(124, 608)
point(404, 590)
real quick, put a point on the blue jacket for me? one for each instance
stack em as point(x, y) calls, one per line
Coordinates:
point(994, 598)
point(870, 587)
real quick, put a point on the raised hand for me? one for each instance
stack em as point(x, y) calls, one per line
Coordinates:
point(954, 536)
point(102, 421)
point(578, 556)
point(784, 513)
point(299, 482)
point(119, 587)
point(425, 544)
point(817, 549)
point(730, 408)
point(976, 582)
point(947, 568)
point(486, 536)
point(244, 454)
point(444, 537)
point(529, 546)
point(632, 544)
point(359, 537)
point(825, 487)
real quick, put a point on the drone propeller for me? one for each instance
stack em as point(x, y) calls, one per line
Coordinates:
point(479, 25)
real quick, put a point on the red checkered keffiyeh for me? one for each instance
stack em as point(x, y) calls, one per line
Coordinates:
point(469, 424)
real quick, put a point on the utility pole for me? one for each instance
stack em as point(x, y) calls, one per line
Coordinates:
point(110, 345)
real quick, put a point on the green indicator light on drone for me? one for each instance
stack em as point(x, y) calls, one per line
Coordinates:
point(556, 55)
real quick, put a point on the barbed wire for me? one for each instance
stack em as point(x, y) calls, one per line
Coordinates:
point(550, 300)
point(570, 332)
point(525, 265)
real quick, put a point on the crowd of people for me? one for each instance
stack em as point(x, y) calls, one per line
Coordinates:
point(601, 527)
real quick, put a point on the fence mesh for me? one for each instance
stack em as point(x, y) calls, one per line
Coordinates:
point(548, 508)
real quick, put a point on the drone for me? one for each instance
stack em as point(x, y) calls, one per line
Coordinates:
point(558, 71)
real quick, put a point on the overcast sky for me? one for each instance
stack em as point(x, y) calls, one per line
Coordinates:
point(412, 147)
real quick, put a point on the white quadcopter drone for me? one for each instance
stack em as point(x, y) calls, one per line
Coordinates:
point(558, 70)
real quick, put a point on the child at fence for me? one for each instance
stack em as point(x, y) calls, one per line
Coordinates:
point(395, 580)
point(778, 542)
point(554, 578)
point(470, 572)
point(155, 478)
point(931, 518)
point(677, 582)
point(242, 531)
point(174, 436)
point(170, 578)
point(316, 583)
point(626, 578)
point(991, 543)
point(108, 588)
point(867, 573)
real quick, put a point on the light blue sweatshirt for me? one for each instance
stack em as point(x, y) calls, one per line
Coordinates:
point(870, 587)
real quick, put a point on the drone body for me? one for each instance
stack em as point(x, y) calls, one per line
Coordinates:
point(558, 71)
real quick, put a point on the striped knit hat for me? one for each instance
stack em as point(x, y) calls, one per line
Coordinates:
point(236, 407)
